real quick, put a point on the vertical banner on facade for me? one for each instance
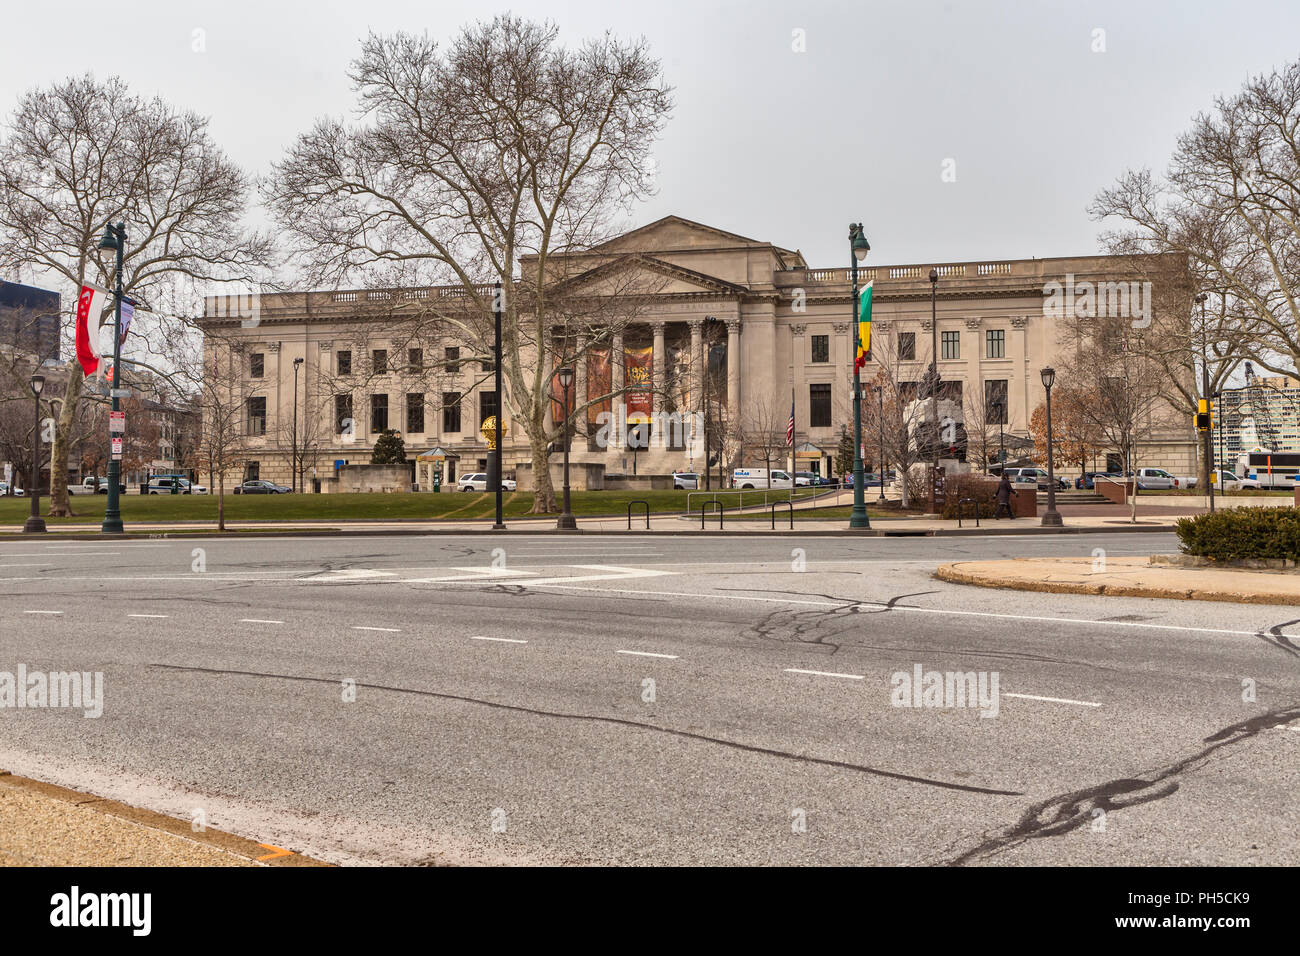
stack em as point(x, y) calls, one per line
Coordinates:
point(640, 379)
point(599, 382)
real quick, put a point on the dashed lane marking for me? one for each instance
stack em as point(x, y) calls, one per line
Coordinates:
point(796, 670)
point(1054, 700)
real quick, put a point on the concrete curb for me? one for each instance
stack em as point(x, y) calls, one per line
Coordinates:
point(235, 845)
point(550, 530)
point(954, 575)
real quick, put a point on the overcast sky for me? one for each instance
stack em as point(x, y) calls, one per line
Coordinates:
point(772, 143)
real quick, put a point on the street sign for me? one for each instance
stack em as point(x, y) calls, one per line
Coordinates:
point(117, 423)
point(117, 449)
point(120, 393)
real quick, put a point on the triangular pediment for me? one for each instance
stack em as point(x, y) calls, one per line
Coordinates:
point(677, 234)
point(647, 275)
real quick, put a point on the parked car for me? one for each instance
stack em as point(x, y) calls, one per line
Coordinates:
point(1154, 479)
point(758, 478)
point(478, 482)
point(259, 487)
point(197, 488)
point(164, 485)
point(1088, 479)
point(1227, 481)
point(4, 490)
point(685, 481)
point(804, 479)
point(93, 486)
point(1037, 476)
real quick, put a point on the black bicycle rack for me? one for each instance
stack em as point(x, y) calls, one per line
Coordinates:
point(638, 501)
point(975, 506)
point(704, 506)
point(772, 507)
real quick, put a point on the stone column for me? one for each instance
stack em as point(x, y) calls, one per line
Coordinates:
point(799, 356)
point(580, 385)
point(733, 368)
point(618, 405)
point(1019, 403)
point(657, 327)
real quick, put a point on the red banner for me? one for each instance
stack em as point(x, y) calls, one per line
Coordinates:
point(640, 380)
point(89, 305)
point(599, 382)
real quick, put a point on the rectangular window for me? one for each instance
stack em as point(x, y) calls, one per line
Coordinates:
point(257, 415)
point(378, 413)
point(451, 411)
point(415, 412)
point(379, 361)
point(995, 401)
point(252, 471)
point(451, 357)
point(343, 414)
point(256, 365)
point(486, 365)
point(821, 348)
point(996, 341)
point(950, 345)
point(951, 391)
point(343, 361)
point(819, 405)
point(487, 405)
point(415, 360)
point(906, 346)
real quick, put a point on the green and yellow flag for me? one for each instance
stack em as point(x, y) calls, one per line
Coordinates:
point(864, 326)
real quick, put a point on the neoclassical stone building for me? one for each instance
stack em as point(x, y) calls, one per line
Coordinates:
point(781, 331)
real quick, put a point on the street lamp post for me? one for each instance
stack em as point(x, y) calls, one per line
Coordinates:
point(858, 249)
point(934, 382)
point(498, 303)
point(294, 480)
point(566, 521)
point(1207, 443)
point(1051, 518)
point(115, 238)
point(880, 394)
point(35, 523)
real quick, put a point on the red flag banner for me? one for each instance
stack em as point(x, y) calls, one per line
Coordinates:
point(640, 380)
point(599, 382)
point(90, 303)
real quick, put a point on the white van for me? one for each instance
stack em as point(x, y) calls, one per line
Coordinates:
point(757, 478)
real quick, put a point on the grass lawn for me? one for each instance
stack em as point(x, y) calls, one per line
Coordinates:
point(454, 506)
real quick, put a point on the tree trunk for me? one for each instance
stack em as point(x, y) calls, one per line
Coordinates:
point(543, 488)
point(60, 507)
point(221, 502)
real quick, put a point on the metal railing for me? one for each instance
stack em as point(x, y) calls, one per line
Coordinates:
point(773, 508)
point(767, 496)
point(705, 505)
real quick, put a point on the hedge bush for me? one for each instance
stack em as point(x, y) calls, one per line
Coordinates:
point(1242, 533)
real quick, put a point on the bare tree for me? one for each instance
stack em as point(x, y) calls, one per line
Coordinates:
point(505, 148)
point(81, 154)
point(762, 429)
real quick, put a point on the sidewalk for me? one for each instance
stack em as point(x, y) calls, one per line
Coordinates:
point(45, 825)
point(1128, 577)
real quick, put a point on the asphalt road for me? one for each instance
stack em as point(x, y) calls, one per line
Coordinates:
point(604, 699)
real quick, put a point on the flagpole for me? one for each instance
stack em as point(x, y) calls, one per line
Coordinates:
point(858, 249)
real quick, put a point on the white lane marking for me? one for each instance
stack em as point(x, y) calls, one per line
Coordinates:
point(671, 657)
point(475, 574)
point(503, 640)
point(349, 574)
point(148, 615)
point(42, 612)
point(1054, 700)
point(257, 620)
point(390, 630)
point(796, 670)
point(875, 605)
point(593, 554)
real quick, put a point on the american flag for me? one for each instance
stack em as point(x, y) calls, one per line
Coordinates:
point(789, 428)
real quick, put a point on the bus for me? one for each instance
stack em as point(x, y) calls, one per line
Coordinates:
point(1270, 469)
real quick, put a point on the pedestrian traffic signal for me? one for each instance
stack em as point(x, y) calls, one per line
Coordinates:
point(1203, 422)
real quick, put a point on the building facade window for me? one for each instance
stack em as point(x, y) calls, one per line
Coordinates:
point(451, 358)
point(252, 470)
point(378, 413)
point(343, 361)
point(256, 365)
point(343, 414)
point(819, 405)
point(415, 413)
point(995, 401)
point(907, 346)
point(415, 360)
point(821, 348)
point(995, 341)
point(487, 405)
point(257, 415)
point(451, 411)
point(486, 365)
point(950, 345)
point(379, 361)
